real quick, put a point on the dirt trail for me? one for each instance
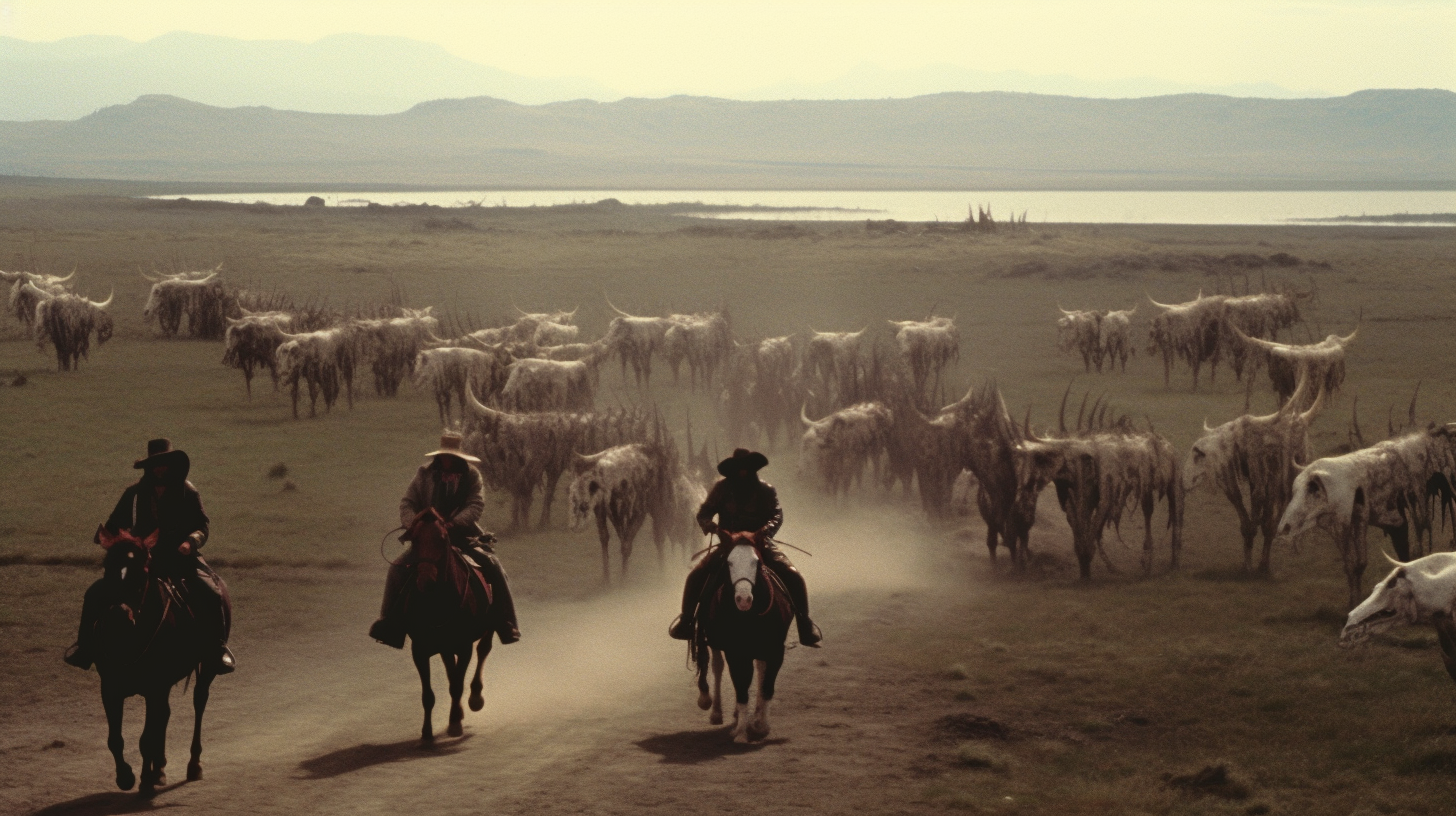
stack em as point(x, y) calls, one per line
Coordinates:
point(592, 712)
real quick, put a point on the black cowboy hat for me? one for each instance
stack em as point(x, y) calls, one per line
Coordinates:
point(743, 458)
point(160, 452)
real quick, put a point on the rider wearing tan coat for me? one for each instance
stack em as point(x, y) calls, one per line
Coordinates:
point(449, 484)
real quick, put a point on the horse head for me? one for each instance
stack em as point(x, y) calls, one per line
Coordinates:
point(431, 543)
point(128, 561)
point(743, 566)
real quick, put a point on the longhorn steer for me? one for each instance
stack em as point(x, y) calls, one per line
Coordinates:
point(1116, 337)
point(927, 346)
point(251, 342)
point(1254, 456)
point(834, 359)
point(392, 344)
point(635, 340)
point(624, 485)
point(324, 360)
point(1081, 331)
point(199, 296)
point(24, 299)
point(703, 340)
point(451, 372)
point(548, 385)
point(1393, 485)
point(1323, 363)
point(838, 447)
point(67, 322)
point(1420, 591)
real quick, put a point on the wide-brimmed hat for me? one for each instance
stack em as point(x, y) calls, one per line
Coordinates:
point(450, 446)
point(743, 458)
point(160, 452)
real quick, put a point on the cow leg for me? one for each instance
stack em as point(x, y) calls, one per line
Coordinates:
point(1400, 541)
point(605, 537)
point(548, 492)
point(200, 694)
point(992, 537)
point(1353, 550)
point(1247, 530)
point(1271, 530)
point(627, 533)
point(427, 694)
point(115, 706)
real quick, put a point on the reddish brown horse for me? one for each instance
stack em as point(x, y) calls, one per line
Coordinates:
point(447, 610)
point(745, 620)
point(148, 641)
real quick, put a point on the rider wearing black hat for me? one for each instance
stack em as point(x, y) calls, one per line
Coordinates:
point(164, 502)
point(743, 503)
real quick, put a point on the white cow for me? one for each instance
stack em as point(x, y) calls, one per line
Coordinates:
point(838, 447)
point(548, 385)
point(626, 484)
point(1421, 591)
point(927, 346)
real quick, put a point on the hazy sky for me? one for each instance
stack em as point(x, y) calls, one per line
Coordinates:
point(653, 48)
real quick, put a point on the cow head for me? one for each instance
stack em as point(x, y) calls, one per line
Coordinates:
point(1208, 456)
point(1326, 493)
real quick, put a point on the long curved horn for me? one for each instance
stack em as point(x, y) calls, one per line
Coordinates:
point(103, 304)
point(480, 407)
point(149, 278)
point(1206, 429)
point(1062, 412)
point(1315, 407)
point(615, 309)
point(1343, 341)
point(35, 291)
point(1064, 311)
point(68, 277)
point(1155, 303)
point(571, 315)
point(210, 276)
point(1267, 345)
point(804, 415)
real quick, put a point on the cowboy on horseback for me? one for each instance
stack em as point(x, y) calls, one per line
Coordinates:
point(743, 503)
point(450, 485)
point(163, 502)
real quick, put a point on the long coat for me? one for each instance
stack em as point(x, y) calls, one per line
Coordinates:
point(176, 516)
point(460, 505)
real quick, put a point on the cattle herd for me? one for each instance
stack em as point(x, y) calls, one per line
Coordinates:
point(865, 406)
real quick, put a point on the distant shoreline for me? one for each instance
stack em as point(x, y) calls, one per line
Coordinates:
point(1396, 218)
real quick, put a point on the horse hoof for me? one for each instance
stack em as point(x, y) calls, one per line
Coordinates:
point(194, 771)
point(125, 779)
point(756, 733)
point(427, 740)
point(456, 729)
point(705, 702)
point(477, 702)
point(741, 738)
point(715, 718)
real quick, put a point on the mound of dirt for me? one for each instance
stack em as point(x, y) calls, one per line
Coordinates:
point(972, 726)
point(1213, 780)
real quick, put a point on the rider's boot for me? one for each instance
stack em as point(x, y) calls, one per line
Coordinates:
point(83, 652)
point(501, 602)
point(682, 628)
point(809, 634)
point(389, 629)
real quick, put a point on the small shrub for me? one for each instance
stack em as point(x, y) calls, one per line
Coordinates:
point(957, 671)
point(278, 471)
point(974, 755)
point(289, 486)
point(19, 380)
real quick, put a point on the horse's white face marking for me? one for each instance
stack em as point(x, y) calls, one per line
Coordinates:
point(743, 572)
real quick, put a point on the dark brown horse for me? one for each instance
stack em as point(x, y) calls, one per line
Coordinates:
point(148, 641)
point(447, 610)
point(745, 620)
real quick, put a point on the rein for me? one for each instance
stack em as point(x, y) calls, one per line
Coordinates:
point(386, 558)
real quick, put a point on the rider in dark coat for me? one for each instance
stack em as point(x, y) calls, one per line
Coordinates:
point(743, 503)
point(451, 485)
point(164, 502)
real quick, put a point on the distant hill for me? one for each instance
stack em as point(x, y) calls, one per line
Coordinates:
point(344, 73)
point(1395, 139)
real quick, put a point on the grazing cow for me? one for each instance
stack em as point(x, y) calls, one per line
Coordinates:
point(834, 360)
point(67, 321)
point(1116, 337)
point(838, 447)
point(1420, 591)
point(626, 484)
point(324, 360)
point(554, 334)
point(251, 342)
point(1254, 456)
point(1081, 331)
point(534, 385)
point(1322, 362)
point(927, 346)
point(1396, 485)
point(199, 296)
point(703, 340)
point(451, 372)
point(635, 340)
point(392, 344)
point(24, 299)
point(1099, 472)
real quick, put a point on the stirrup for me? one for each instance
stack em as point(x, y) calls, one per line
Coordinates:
point(226, 663)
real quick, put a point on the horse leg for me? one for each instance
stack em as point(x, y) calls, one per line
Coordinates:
point(715, 716)
point(482, 650)
point(700, 662)
point(455, 666)
point(740, 668)
point(427, 694)
point(758, 727)
point(200, 693)
point(115, 706)
point(154, 740)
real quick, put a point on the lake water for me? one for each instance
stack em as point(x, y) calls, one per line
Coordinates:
point(1104, 207)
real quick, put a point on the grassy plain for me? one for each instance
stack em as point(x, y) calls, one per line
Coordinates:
point(1105, 691)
